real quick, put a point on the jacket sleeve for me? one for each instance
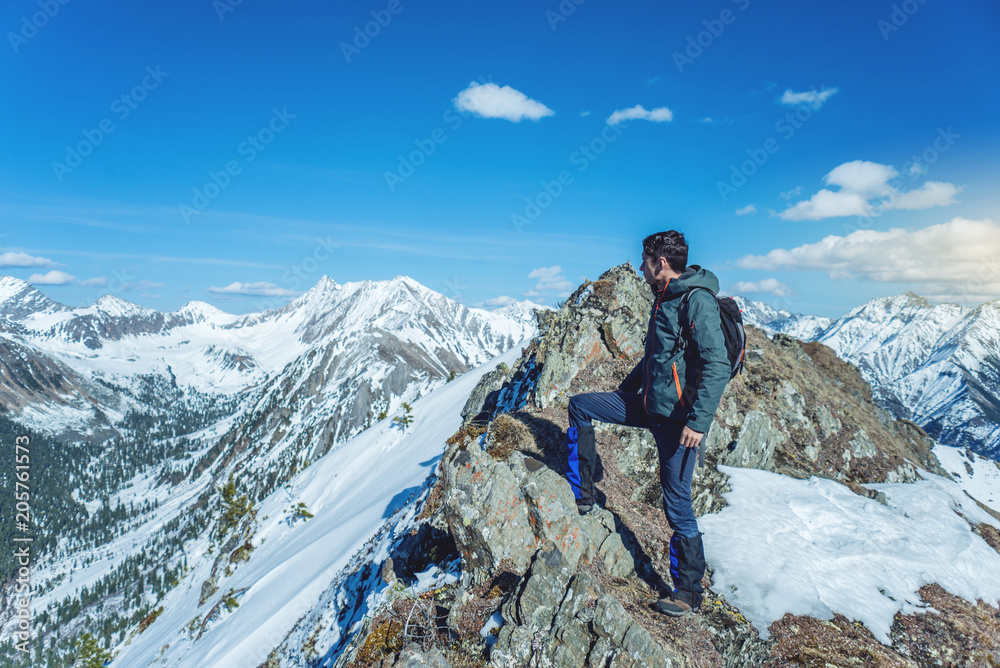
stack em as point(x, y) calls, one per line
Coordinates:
point(712, 359)
point(633, 381)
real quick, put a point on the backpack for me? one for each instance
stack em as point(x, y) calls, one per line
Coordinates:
point(732, 328)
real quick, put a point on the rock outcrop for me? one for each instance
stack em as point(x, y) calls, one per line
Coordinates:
point(576, 591)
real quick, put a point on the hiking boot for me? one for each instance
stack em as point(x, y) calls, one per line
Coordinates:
point(584, 507)
point(679, 603)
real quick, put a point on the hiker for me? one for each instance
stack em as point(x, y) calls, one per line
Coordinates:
point(674, 392)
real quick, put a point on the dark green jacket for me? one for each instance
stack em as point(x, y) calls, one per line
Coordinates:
point(685, 385)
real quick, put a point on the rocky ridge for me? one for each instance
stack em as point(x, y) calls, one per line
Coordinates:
point(576, 591)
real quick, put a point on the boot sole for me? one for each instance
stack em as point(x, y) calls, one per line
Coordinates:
point(673, 613)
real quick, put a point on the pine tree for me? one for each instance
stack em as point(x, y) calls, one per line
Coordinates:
point(233, 509)
point(407, 418)
point(90, 655)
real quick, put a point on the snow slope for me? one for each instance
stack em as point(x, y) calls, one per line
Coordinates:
point(352, 491)
point(813, 547)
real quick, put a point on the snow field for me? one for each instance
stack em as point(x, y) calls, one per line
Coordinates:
point(813, 547)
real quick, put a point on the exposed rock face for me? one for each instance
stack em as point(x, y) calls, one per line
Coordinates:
point(754, 446)
point(555, 618)
point(600, 320)
point(484, 396)
point(501, 512)
point(485, 511)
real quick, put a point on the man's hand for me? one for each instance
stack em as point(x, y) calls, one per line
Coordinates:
point(690, 438)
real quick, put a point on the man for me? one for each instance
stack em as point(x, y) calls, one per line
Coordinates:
point(674, 392)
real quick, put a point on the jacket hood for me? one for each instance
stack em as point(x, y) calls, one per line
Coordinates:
point(693, 277)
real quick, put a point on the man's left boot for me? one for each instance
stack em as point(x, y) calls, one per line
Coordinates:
point(679, 603)
point(687, 567)
point(582, 447)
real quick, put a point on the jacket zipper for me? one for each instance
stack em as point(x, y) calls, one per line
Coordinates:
point(652, 344)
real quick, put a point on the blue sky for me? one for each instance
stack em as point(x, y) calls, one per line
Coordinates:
point(235, 153)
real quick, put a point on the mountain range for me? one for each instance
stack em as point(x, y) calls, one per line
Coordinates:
point(373, 344)
point(176, 444)
point(937, 365)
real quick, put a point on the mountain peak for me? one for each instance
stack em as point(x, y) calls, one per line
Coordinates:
point(199, 311)
point(8, 283)
point(11, 287)
point(402, 278)
point(914, 299)
point(326, 283)
point(20, 299)
point(113, 306)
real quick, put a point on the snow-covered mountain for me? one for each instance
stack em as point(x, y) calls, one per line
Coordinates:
point(375, 343)
point(771, 320)
point(166, 407)
point(935, 364)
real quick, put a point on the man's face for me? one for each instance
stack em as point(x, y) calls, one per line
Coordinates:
point(648, 268)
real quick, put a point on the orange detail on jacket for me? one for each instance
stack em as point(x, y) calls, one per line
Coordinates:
point(677, 384)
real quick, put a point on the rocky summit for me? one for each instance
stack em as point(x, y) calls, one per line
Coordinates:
point(566, 590)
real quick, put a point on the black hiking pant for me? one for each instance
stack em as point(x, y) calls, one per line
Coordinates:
point(687, 557)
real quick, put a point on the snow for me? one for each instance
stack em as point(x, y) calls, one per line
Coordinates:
point(771, 320)
point(813, 547)
point(983, 483)
point(351, 491)
point(202, 311)
point(494, 622)
point(11, 287)
point(220, 355)
point(927, 362)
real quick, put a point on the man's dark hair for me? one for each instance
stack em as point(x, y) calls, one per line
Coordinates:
point(670, 245)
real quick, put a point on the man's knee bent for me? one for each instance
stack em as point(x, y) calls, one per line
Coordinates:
point(576, 411)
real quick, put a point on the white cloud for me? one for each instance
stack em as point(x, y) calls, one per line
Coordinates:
point(959, 259)
point(813, 98)
point(933, 193)
point(99, 281)
point(860, 182)
point(794, 192)
point(550, 280)
point(497, 302)
point(19, 259)
point(585, 113)
point(828, 204)
point(862, 177)
point(489, 100)
point(749, 208)
point(707, 119)
point(768, 285)
point(257, 289)
point(638, 112)
point(53, 277)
